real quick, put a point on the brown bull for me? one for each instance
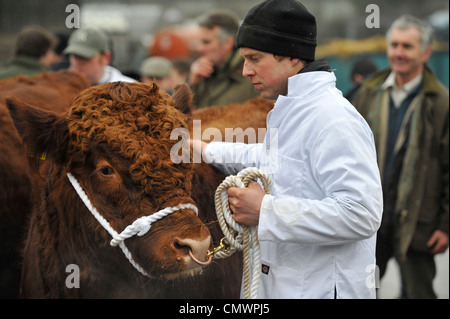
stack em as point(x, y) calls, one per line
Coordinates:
point(115, 141)
point(237, 122)
point(251, 115)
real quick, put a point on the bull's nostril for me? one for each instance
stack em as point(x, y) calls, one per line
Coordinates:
point(178, 246)
point(181, 247)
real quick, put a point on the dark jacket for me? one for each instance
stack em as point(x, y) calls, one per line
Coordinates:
point(225, 86)
point(21, 65)
point(427, 203)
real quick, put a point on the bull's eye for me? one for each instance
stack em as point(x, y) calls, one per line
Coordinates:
point(107, 170)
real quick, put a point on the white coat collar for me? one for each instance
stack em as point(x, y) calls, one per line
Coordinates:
point(303, 84)
point(300, 86)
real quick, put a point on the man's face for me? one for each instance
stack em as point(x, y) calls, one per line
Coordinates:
point(404, 52)
point(93, 69)
point(269, 75)
point(211, 47)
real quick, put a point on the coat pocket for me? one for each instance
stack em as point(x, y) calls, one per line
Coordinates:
point(279, 282)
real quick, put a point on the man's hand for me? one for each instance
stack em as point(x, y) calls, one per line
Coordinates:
point(438, 242)
point(200, 69)
point(246, 203)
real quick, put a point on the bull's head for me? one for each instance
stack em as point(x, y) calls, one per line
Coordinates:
point(115, 140)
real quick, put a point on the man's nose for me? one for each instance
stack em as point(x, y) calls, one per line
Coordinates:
point(247, 71)
point(399, 50)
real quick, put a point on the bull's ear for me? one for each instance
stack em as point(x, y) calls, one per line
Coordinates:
point(44, 133)
point(182, 97)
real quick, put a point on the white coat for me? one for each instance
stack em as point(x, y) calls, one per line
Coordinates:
point(317, 229)
point(112, 75)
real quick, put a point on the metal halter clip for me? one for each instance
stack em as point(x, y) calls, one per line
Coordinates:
point(221, 247)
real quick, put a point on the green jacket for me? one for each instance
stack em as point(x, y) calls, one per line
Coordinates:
point(21, 65)
point(427, 202)
point(225, 86)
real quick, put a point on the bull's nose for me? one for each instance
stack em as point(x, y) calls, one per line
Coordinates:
point(193, 251)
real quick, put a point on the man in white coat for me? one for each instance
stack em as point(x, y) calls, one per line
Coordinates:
point(317, 229)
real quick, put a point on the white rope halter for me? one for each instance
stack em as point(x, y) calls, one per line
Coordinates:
point(139, 227)
point(247, 237)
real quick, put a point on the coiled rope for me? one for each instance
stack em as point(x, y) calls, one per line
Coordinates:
point(139, 227)
point(241, 237)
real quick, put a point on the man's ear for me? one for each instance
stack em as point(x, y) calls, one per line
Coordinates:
point(426, 55)
point(229, 44)
point(297, 64)
point(296, 61)
point(106, 56)
point(43, 132)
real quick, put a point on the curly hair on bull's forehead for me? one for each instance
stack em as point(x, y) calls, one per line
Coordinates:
point(136, 120)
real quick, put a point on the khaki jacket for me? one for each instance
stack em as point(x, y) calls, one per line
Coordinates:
point(427, 203)
point(21, 65)
point(225, 86)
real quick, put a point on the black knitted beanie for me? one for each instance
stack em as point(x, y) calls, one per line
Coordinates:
point(282, 27)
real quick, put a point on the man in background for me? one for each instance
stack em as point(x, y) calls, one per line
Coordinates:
point(216, 76)
point(33, 52)
point(408, 111)
point(361, 70)
point(157, 70)
point(90, 55)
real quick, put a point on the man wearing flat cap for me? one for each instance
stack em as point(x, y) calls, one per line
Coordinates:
point(90, 55)
point(317, 228)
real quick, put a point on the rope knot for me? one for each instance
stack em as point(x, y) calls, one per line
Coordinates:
point(141, 226)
